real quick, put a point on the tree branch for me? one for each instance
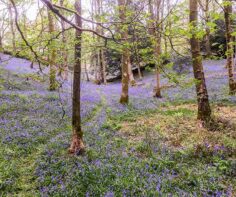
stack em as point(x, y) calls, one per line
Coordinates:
point(23, 37)
point(57, 12)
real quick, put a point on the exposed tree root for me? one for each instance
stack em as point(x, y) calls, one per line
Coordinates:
point(77, 146)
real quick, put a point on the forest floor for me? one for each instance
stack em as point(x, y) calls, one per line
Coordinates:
point(152, 147)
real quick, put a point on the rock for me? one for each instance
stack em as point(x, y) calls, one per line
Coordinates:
point(182, 65)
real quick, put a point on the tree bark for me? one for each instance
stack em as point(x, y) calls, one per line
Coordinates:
point(86, 71)
point(103, 61)
point(139, 69)
point(208, 42)
point(169, 26)
point(100, 53)
point(3, 28)
point(93, 60)
point(52, 54)
point(137, 59)
point(124, 99)
point(77, 145)
point(12, 28)
point(64, 65)
point(24, 27)
point(1, 44)
point(230, 48)
point(131, 74)
point(156, 36)
point(163, 25)
point(158, 53)
point(204, 110)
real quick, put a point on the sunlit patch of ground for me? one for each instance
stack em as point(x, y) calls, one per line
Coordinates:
point(177, 127)
point(173, 131)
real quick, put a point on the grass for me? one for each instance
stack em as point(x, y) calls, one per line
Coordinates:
point(152, 152)
point(194, 148)
point(176, 126)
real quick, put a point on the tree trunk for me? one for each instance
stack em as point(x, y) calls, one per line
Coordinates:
point(140, 74)
point(99, 62)
point(208, 42)
point(100, 53)
point(131, 75)
point(156, 36)
point(24, 28)
point(103, 61)
point(204, 110)
point(101, 76)
point(163, 25)
point(124, 99)
point(64, 65)
point(102, 57)
point(158, 52)
point(86, 71)
point(12, 28)
point(230, 49)
point(77, 145)
point(3, 28)
point(137, 59)
point(139, 70)
point(93, 60)
point(1, 44)
point(52, 54)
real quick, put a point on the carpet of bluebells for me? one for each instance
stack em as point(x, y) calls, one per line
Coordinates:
point(35, 131)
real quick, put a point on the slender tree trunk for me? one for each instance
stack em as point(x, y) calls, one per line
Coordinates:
point(52, 54)
point(99, 67)
point(131, 75)
point(86, 71)
point(139, 70)
point(25, 22)
point(137, 59)
point(64, 65)
point(124, 99)
point(96, 69)
point(163, 25)
point(140, 74)
point(94, 56)
point(169, 25)
point(156, 45)
point(230, 49)
point(1, 44)
point(158, 52)
point(208, 42)
point(32, 65)
point(42, 28)
point(77, 145)
point(3, 28)
point(24, 27)
point(103, 67)
point(99, 77)
point(12, 28)
point(99, 52)
point(102, 56)
point(100, 63)
point(204, 110)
